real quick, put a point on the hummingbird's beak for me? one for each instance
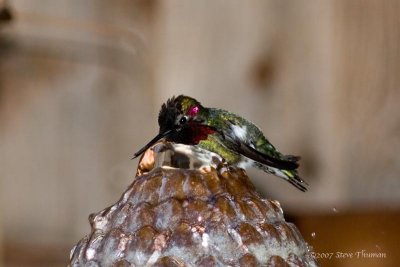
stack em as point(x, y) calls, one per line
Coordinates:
point(152, 142)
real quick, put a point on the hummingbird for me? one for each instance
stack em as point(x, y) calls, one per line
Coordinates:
point(184, 120)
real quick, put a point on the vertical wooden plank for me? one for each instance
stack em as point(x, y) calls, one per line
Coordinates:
point(269, 61)
point(367, 38)
point(74, 105)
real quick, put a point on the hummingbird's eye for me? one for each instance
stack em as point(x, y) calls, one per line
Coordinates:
point(183, 120)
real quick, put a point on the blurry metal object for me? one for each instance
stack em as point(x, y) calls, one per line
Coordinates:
point(5, 12)
point(209, 216)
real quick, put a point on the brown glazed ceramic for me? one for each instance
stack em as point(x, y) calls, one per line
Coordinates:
point(190, 216)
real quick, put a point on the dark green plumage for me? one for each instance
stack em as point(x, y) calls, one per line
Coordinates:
point(184, 120)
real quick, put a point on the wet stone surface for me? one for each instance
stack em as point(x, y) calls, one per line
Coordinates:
point(211, 216)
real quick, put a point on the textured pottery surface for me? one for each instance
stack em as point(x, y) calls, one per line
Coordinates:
point(198, 216)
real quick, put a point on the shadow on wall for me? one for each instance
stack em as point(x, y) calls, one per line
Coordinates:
point(5, 13)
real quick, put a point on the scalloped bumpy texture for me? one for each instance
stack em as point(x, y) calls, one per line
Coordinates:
point(188, 217)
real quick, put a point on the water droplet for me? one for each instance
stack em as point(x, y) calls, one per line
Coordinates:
point(335, 210)
point(378, 247)
point(313, 234)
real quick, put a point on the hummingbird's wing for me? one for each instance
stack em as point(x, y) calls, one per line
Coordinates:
point(249, 141)
point(243, 137)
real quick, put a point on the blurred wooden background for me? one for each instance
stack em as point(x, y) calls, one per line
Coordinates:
point(81, 83)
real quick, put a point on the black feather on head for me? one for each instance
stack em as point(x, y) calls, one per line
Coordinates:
point(168, 113)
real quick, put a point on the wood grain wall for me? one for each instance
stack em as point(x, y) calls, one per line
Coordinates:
point(81, 84)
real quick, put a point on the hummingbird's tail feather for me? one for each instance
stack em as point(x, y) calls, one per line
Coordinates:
point(296, 181)
point(292, 158)
point(289, 175)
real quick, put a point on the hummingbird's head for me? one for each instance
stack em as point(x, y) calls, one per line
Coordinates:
point(179, 112)
point(182, 120)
